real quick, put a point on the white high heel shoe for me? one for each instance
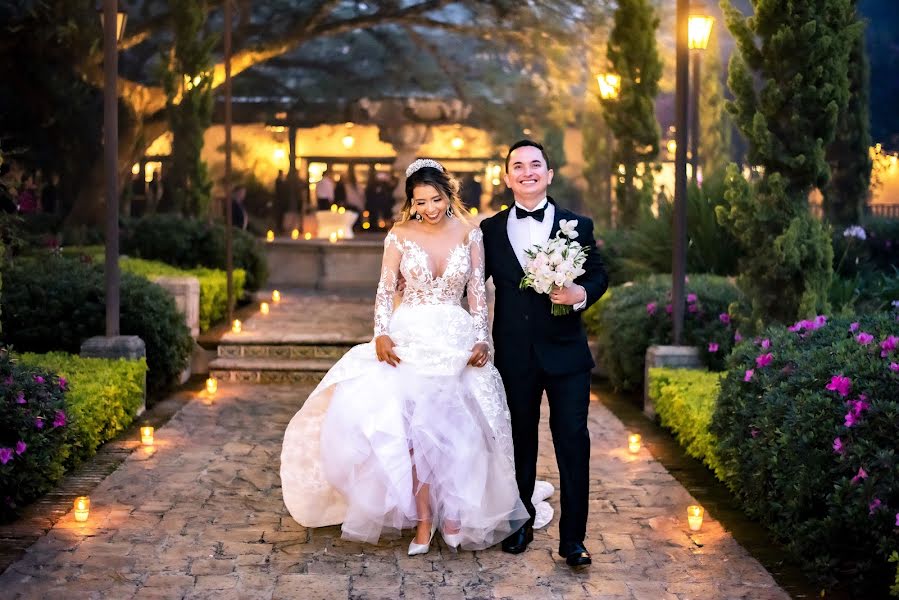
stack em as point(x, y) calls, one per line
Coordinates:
point(415, 549)
point(452, 539)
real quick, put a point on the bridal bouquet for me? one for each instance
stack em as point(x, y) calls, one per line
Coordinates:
point(558, 263)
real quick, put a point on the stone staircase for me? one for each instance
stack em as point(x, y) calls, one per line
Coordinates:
point(297, 342)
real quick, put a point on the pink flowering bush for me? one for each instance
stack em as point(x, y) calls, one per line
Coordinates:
point(808, 443)
point(632, 317)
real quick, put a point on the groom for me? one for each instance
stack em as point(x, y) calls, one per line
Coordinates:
point(537, 352)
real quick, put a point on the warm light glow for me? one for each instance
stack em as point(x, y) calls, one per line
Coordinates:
point(121, 19)
point(270, 236)
point(276, 296)
point(348, 141)
point(495, 181)
point(473, 210)
point(382, 223)
point(457, 143)
point(366, 225)
point(504, 207)
point(135, 168)
point(634, 441)
point(279, 154)
point(340, 234)
point(82, 508)
point(263, 308)
point(146, 435)
point(700, 30)
point(236, 326)
point(333, 208)
point(694, 517)
point(295, 234)
point(212, 385)
point(307, 236)
point(365, 214)
point(609, 85)
point(333, 237)
point(671, 146)
point(341, 210)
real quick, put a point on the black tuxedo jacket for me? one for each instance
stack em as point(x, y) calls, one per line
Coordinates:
point(524, 328)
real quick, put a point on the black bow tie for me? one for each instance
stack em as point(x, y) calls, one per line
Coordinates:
point(537, 215)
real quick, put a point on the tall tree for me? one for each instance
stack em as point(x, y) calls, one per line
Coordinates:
point(849, 153)
point(798, 53)
point(187, 80)
point(633, 56)
point(714, 122)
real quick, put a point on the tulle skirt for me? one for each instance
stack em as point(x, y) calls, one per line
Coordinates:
point(370, 432)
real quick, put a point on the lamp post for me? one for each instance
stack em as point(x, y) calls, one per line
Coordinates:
point(113, 24)
point(679, 258)
point(229, 217)
point(700, 30)
point(609, 88)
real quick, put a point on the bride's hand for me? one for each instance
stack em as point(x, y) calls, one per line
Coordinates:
point(384, 349)
point(479, 355)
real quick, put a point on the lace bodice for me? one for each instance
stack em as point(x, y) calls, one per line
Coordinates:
point(461, 267)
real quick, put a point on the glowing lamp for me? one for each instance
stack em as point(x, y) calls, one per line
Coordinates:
point(700, 27)
point(341, 210)
point(307, 236)
point(694, 517)
point(276, 296)
point(340, 234)
point(263, 308)
point(634, 441)
point(146, 435)
point(609, 85)
point(366, 225)
point(295, 234)
point(348, 141)
point(82, 507)
point(457, 143)
point(212, 385)
point(236, 326)
point(270, 236)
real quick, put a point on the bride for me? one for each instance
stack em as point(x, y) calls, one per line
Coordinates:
point(412, 428)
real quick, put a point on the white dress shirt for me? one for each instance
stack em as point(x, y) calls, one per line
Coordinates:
point(525, 233)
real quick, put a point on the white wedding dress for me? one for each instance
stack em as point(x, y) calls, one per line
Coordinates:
point(349, 453)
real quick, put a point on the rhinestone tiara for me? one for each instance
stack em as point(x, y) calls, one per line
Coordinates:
point(424, 162)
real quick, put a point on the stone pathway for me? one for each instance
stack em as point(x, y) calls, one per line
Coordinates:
point(200, 516)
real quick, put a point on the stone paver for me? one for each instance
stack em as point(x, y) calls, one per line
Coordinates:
point(201, 516)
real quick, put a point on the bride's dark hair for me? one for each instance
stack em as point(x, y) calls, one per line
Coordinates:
point(445, 184)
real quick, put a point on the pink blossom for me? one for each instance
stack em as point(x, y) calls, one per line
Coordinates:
point(748, 375)
point(798, 326)
point(713, 347)
point(897, 519)
point(894, 367)
point(39, 423)
point(691, 298)
point(60, 419)
point(874, 505)
point(819, 322)
point(692, 308)
point(20, 447)
point(859, 405)
point(669, 308)
point(853, 327)
point(861, 475)
point(651, 308)
point(8, 380)
point(864, 338)
point(724, 318)
point(5, 455)
point(737, 337)
point(766, 343)
point(754, 432)
point(838, 445)
point(850, 419)
point(20, 398)
point(888, 345)
point(38, 379)
point(63, 382)
point(764, 360)
point(840, 384)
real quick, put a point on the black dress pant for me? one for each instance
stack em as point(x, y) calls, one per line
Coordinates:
point(569, 399)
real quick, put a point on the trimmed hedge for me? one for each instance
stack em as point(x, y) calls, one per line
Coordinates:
point(685, 401)
point(79, 402)
point(632, 317)
point(55, 303)
point(807, 422)
point(188, 243)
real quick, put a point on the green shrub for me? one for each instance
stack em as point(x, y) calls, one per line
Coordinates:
point(685, 401)
point(632, 317)
point(812, 455)
point(35, 436)
point(55, 303)
point(189, 243)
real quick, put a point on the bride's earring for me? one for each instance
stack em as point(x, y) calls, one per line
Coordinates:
point(449, 211)
point(417, 216)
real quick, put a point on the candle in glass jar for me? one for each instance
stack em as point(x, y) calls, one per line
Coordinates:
point(82, 508)
point(694, 517)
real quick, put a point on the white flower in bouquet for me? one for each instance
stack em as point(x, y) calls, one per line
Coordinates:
point(556, 264)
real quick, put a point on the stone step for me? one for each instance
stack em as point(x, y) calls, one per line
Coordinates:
point(270, 370)
point(281, 352)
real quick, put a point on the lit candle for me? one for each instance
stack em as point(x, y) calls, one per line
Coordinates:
point(473, 211)
point(633, 442)
point(366, 225)
point(263, 308)
point(212, 385)
point(276, 296)
point(82, 508)
point(334, 208)
point(235, 327)
point(694, 517)
point(295, 234)
point(146, 435)
point(333, 236)
point(307, 236)
point(341, 210)
point(270, 236)
point(340, 234)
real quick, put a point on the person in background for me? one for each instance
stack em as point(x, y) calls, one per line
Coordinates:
point(28, 200)
point(324, 191)
point(471, 192)
point(239, 216)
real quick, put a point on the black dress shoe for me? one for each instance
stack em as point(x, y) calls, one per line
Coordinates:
point(575, 554)
point(518, 541)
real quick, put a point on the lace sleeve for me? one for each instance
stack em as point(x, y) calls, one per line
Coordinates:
point(477, 290)
point(390, 268)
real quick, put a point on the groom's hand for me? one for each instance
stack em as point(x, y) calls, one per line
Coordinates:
point(570, 294)
point(479, 355)
point(384, 350)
